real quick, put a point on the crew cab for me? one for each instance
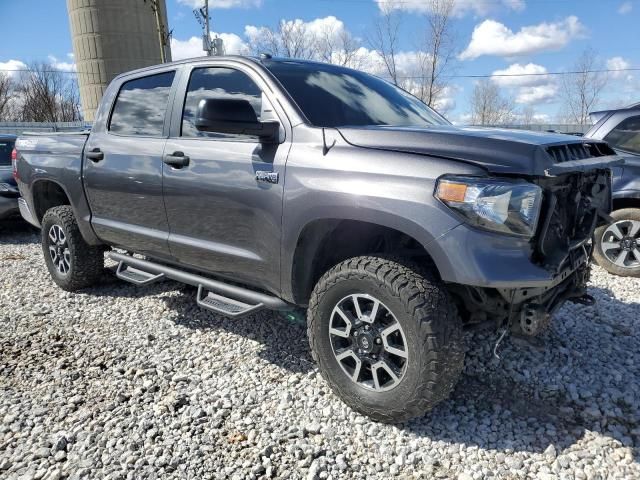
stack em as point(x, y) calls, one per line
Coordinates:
point(279, 184)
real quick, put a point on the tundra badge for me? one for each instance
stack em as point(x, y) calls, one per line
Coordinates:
point(269, 177)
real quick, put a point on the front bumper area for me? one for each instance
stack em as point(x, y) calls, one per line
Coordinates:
point(496, 280)
point(467, 256)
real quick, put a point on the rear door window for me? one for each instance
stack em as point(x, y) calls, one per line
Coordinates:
point(626, 136)
point(141, 106)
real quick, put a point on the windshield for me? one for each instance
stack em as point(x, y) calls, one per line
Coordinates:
point(5, 152)
point(332, 96)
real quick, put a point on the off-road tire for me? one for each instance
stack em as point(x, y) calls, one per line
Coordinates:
point(427, 315)
point(86, 261)
point(600, 257)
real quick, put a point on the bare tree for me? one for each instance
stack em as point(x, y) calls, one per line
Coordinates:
point(6, 93)
point(385, 38)
point(581, 89)
point(338, 46)
point(488, 106)
point(527, 115)
point(437, 54)
point(290, 39)
point(330, 43)
point(47, 94)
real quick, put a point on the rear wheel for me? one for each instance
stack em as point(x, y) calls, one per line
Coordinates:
point(72, 263)
point(618, 244)
point(386, 336)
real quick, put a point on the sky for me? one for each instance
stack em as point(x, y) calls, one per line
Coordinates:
point(493, 37)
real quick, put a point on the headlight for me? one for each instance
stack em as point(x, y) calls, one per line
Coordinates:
point(503, 205)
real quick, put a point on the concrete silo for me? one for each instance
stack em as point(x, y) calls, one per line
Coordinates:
point(114, 36)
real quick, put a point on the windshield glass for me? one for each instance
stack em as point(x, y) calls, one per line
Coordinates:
point(5, 152)
point(332, 96)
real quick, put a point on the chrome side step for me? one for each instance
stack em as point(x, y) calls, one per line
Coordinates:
point(217, 296)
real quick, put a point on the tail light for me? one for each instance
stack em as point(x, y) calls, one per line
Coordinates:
point(14, 163)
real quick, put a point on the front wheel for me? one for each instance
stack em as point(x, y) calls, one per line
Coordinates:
point(72, 263)
point(387, 337)
point(618, 244)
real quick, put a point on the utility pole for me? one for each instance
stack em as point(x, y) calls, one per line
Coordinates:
point(215, 47)
point(163, 37)
point(207, 32)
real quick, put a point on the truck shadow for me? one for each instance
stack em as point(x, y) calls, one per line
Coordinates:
point(16, 230)
point(532, 398)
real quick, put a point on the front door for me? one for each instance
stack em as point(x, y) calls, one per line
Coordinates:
point(224, 205)
point(123, 168)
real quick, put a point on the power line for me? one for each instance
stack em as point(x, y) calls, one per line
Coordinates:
point(630, 69)
point(417, 3)
point(634, 69)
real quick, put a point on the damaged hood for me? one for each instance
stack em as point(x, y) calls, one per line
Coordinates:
point(499, 151)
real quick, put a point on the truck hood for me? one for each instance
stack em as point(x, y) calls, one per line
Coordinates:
point(499, 151)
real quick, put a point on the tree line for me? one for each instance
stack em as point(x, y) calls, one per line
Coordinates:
point(40, 93)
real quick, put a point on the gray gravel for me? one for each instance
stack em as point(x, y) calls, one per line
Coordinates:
point(138, 383)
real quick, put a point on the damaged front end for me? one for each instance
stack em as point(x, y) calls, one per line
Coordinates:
point(576, 200)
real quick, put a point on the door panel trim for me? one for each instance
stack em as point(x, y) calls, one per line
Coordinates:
point(214, 247)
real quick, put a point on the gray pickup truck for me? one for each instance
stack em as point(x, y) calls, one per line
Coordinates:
point(279, 184)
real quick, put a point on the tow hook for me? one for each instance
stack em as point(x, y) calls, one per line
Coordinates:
point(585, 299)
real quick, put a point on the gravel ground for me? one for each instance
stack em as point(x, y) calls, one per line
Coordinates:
point(137, 382)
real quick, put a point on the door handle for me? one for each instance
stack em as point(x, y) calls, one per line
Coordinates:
point(176, 160)
point(95, 155)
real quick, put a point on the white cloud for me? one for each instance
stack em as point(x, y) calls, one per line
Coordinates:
point(460, 7)
point(625, 8)
point(494, 38)
point(60, 65)
point(222, 3)
point(617, 64)
point(518, 75)
point(10, 67)
point(233, 45)
point(529, 82)
point(538, 94)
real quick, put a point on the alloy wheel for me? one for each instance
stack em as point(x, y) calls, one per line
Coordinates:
point(368, 342)
point(621, 243)
point(59, 249)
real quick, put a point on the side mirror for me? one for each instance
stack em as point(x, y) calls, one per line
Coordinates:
point(234, 116)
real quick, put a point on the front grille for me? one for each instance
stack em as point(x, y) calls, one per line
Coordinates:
point(579, 151)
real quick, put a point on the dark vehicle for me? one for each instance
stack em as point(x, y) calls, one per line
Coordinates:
point(274, 184)
point(618, 244)
point(8, 189)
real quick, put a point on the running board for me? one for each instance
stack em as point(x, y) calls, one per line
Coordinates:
point(136, 276)
point(223, 305)
point(223, 298)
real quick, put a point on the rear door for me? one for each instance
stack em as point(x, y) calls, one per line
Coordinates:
point(123, 166)
point(223, 217)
